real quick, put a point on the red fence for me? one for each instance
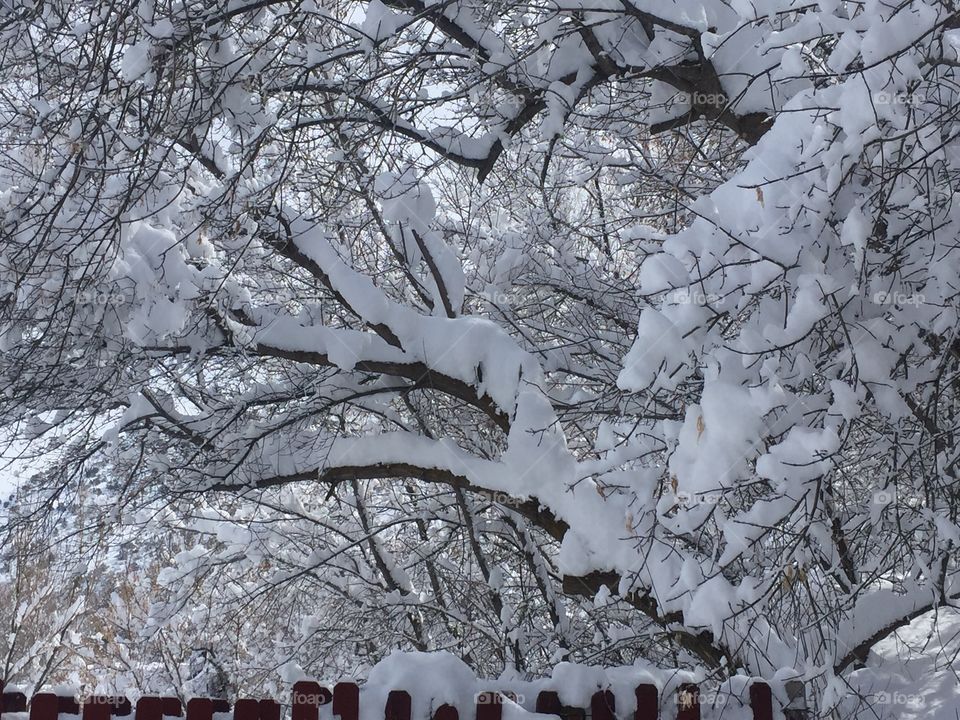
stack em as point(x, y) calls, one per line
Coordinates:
point(344, 699)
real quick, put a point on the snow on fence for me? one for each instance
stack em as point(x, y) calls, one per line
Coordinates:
point(312, 701)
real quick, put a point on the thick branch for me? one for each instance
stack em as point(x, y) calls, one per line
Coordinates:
point(420, 374)
point(700, 644)
point(334, 475)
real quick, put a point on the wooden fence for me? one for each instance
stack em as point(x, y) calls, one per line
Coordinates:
point(344, 700)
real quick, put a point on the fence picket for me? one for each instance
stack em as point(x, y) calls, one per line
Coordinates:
point(156, 708)
point(46, 706)
point(398, 706)
point(648, 703)
point(688, 702)
point(761, 701)
point(548, 703)
point(102, 707)
point(249, 709)
point(204, 708)
point(489, 705)
point(346, 701)
point(11, 701)
point(446, 712)
point(796, 708)
point(307, 698)
point(603, 706)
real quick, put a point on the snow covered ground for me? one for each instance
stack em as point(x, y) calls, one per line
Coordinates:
point(914, 673)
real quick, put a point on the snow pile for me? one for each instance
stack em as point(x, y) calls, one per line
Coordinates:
point(912, 674)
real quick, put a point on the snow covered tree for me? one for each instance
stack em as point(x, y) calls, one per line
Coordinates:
point(42, 607)
point(543, 330)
